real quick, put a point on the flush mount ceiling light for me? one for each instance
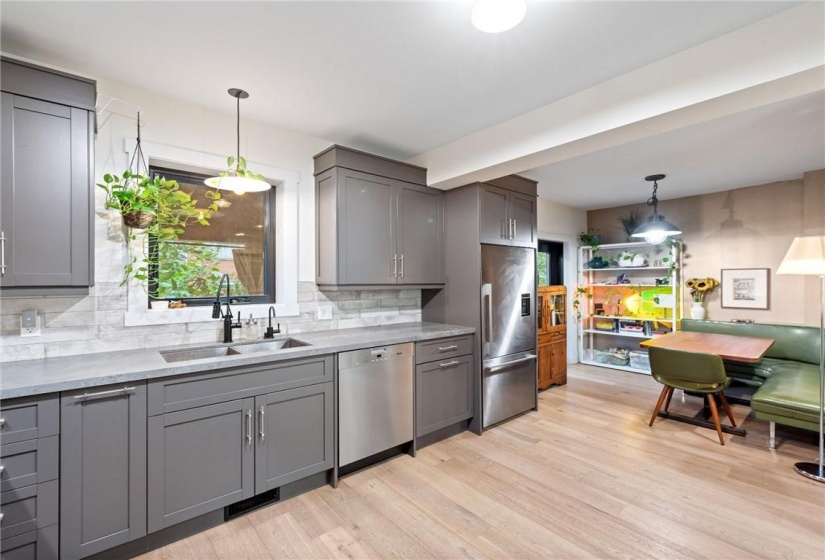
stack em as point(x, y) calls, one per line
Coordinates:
point(238, 178)
point(495, 16)
point(656, 229)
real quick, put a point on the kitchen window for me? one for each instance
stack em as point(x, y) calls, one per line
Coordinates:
point(550, 263)
point(239, 241)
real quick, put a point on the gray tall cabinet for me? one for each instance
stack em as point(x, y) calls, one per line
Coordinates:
point(46, 182)
point(377, 223)
point(499, 212)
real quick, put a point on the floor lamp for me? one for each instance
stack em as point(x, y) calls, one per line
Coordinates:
point(806, 256)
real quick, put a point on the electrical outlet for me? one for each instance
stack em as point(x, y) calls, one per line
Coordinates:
point(29, 323)
point(324, 312)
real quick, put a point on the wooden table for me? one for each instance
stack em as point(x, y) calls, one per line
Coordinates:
point(735, 348)
point(747, 349)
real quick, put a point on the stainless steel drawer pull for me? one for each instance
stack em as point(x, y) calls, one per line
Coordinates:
point(2, 422)
point(448, 348)
point(103, 394)
point(3, 251)
point(261, 412)
point(449, 364)
point(249, 427)
point(2, 468)
point(2, 515)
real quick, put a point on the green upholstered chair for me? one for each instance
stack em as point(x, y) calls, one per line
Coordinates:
point(690, 371)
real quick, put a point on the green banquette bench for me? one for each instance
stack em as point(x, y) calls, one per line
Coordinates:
point(786, 381)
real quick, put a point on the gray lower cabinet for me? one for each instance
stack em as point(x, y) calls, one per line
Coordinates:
point(374, 226)
point(47, 152)
point(103, 468)
point(443, 383)
point(294, 435)
point(200, 460)
point(41, 544)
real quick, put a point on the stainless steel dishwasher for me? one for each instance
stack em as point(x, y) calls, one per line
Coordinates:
point(375, 401)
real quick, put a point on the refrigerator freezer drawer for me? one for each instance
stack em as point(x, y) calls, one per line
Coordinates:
point(509, 386)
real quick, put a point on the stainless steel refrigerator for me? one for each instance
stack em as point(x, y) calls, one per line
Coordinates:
point(508, 332)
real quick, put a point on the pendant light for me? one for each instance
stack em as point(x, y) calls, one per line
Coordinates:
point(238, 178)
point(656, 229)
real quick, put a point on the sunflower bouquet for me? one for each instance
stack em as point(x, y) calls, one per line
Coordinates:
point(700, 287)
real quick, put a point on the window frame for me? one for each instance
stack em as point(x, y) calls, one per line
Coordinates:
point(269, 295)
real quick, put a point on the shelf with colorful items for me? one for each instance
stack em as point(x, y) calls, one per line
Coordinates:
point(629, 294)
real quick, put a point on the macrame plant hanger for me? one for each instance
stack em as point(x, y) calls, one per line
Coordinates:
point(137, 155)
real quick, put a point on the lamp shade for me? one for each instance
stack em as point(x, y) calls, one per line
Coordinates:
point(656, 229)
point(806, 256)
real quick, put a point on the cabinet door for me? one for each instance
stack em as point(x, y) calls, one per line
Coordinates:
point(46, 194)
point(103, 468)
point(558, 359)
point(200, 460)
point(420, 235)
point(493, 221)
point(366, 217)
point(545, 365)
point(522, 209)
point(293, 433)
point(443, 393)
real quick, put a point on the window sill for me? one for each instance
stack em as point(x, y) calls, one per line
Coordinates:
point(204, 314)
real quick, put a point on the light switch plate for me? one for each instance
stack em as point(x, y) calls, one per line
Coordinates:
point(324, 312)
point(29, 323)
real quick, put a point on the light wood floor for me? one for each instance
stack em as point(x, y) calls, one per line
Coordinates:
point(584, 477)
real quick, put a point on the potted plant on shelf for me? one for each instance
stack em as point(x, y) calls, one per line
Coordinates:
point(591, 238)
point(699, 289)
point(156, 205)
point(630, 222)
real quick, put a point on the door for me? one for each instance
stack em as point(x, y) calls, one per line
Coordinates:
point(420, 235)
point(493, 221)
point(508, 300)
point(293, 434)
point(545, 361)
point(200, 460)
point(558, 359)
point(45, 194)
point(366, 244)
point(509, 387)
point(103, 468)
point(523, 216)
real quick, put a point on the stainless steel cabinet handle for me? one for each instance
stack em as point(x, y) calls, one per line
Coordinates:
point(103, 394)
point(261, 412)
point(514, 229)
point(448, 348)
point(505, 229)
point(509, 229)
point(2, 515)
point(249, 427)
point(402, 266)
point(449, 364)
point(2, 252)
point(2, 422)
point(395, 266)
point(2, 468)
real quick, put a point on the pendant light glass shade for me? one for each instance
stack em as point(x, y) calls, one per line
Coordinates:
point(237, 178)
point(656, 229)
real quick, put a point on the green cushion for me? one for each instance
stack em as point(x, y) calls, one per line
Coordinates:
point(791, 342)
point(792, 392)
point(757, 372)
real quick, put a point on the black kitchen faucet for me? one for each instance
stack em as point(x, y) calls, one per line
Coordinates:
point(228, 325)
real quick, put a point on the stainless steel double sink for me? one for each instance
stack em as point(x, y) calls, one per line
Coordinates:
point(188, 354)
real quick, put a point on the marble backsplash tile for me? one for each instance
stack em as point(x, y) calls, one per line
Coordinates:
point(95, 323)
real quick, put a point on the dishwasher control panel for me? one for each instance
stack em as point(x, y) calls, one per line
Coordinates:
point(373, 355)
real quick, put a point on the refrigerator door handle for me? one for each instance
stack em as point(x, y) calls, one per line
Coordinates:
point(486, 317)
point(511, 363)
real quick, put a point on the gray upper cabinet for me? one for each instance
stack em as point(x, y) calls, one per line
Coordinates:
point(46, 148)
point(103, 468)
point(507, 217)
point(377, 224)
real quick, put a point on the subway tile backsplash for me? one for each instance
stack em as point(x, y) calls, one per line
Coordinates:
point(95, 323)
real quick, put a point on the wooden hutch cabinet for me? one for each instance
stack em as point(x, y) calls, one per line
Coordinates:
point(552, 334)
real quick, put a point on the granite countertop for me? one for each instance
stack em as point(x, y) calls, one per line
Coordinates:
point(36, 377)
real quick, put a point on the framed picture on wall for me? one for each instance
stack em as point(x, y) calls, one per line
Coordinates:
point(746, 288)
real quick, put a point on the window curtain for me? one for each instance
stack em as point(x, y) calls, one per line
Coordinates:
point(250, 268)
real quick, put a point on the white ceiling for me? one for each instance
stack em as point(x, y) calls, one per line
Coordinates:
point(403, 78)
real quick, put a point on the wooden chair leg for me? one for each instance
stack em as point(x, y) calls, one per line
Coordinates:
point(669, 396)
point(715, 413)
point(726, 406)
point(659, 404)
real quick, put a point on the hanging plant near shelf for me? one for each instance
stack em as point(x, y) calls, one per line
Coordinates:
point(577, 300)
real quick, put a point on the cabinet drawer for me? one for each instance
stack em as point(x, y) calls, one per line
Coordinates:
point(34, 545)
point(554, 336)
point(443, 393)
point(28, 508)
point(30, 418)
point(443, 348)
point(179, 393)
point(28, 462)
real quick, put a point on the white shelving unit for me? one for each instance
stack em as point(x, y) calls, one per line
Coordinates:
point(623, 305)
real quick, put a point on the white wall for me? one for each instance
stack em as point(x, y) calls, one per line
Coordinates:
point(557, 222)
